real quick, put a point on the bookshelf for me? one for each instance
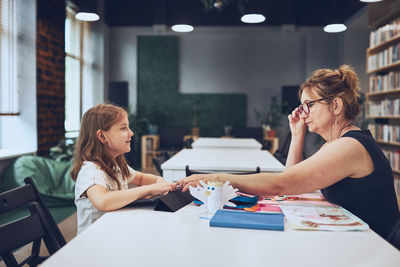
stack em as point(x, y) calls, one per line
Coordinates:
point(383, 98)
point(150, 145)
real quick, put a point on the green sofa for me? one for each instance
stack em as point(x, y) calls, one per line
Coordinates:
point(52, 180)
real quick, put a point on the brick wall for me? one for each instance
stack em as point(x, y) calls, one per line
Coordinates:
point(50, 73)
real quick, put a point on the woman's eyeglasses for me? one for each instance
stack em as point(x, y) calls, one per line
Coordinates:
point(306, 107)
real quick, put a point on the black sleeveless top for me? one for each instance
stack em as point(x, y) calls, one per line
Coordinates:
point(371, 198)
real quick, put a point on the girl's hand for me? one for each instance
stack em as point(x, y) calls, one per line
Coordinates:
point(160, 188)
point(159, 179)
point(296, 123)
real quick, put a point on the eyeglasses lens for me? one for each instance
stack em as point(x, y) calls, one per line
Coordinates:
point(305, 108)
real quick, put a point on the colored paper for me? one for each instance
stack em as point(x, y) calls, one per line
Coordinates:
point(249, 220)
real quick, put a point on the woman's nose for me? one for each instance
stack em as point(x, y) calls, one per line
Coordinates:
point(303, 115)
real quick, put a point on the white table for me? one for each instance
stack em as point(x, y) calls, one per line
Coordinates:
point(219, 160)
point(139, 237)
point(228, 143)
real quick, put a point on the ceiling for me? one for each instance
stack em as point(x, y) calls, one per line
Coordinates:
point(277, 12)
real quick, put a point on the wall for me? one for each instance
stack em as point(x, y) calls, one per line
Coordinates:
point(19, 132)
point(95, 68)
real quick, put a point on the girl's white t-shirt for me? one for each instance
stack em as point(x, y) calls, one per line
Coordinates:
point(89, 175)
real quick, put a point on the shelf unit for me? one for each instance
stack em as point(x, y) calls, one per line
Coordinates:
point(150, 145)
point(383, 98)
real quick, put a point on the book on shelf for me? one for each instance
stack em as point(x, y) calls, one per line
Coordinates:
point(149, 144)
point(382, 83)
point(387, 57)
point(385, 33)
point(249, 220)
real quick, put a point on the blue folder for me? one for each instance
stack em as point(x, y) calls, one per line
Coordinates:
point(250, 220)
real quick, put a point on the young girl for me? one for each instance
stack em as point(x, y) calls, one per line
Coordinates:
point(100, 170)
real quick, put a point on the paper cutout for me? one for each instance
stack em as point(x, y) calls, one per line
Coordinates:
point(321, 217)
point(214, 195)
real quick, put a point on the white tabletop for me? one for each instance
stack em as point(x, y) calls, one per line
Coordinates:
point(228, 143)
point(219, 160)
point(138, 237)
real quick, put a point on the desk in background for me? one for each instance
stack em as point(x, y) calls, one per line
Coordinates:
point(227, 143)
point(143, 237)
point(219, 160)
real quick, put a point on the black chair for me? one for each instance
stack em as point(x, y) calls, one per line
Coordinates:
point(171, 138)
point(248, 132)
point(157, 165)
point(190, 172)
point(394, 235)
point(30, 229)
point(22, 196)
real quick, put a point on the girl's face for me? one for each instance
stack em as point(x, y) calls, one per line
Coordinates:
point(320, 118)
point(118, 138)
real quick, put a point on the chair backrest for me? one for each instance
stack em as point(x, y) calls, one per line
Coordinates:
point(157, 165)
point(190, 172)
point(394, 236)
point(53, 225)
point(248, 132)
point(27, 194)
point(30, 229)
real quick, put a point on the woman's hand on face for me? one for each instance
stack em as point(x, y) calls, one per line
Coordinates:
point(296, 123)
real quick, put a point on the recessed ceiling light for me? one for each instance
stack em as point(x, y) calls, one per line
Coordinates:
point(85, 16)
point(333, 28)
point(370, 1)
point(182, 28)
point(253, 18)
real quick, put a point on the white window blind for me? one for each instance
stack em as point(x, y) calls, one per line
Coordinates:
point(8, 67)
point(73, 72)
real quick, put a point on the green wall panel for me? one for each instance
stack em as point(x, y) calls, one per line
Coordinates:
point(158, 83)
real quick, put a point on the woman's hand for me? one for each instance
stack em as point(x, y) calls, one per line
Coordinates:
point(194, 179)
point(296, 123)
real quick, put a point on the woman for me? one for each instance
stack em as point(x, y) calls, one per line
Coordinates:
point(350, 168)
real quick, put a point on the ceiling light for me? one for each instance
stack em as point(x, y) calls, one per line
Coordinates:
point(182, 28)
point(85, 16)
point(333, 28)
point(253, 18)
point(370, 1)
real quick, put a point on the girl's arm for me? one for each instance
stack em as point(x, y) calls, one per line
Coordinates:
point(104, 200)
point(344, 157)
point(146, 179)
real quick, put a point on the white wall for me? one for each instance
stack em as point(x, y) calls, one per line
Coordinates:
point(95, 69)
point(19, 132)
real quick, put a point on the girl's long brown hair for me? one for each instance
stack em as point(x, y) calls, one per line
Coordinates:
point(89, 147)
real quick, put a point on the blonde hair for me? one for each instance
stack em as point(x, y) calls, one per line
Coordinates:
point(342, 82)
point(89, 147)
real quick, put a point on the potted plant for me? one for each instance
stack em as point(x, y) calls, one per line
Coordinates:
point(156, 119)
point(272, 118)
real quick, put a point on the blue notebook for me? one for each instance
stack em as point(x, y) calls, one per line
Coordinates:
point(250, 220)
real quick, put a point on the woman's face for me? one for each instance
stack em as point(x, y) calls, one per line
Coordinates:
point(320, 118)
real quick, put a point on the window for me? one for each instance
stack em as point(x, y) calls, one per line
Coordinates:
point(73, 73)
point(8, 67)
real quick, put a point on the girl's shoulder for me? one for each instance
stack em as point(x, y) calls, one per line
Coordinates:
point(90, 168)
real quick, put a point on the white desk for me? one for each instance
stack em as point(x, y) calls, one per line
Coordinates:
point(219, 160)
point(149, 238)
point(228, 143)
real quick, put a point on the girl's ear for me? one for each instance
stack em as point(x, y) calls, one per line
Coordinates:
point(101, 137)
point(337, 106)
